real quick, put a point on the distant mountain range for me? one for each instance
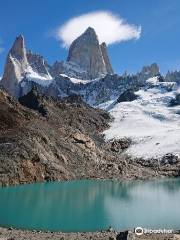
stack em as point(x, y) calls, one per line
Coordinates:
point(86, 72)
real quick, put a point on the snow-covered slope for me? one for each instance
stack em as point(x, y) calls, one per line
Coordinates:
point(42, 79)
point(149, 121)
point(77, 80)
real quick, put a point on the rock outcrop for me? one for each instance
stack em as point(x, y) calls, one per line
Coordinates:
point(106, 58)
point(175, 101)
point(15, 68)
point(69, 69)
point(23, 67)
point(61, 144)
point(173, 77)
point(38, 63)
point(94, 92)
point(153, 69)
point(148, 72)
point(87, 53)
point(127, 96)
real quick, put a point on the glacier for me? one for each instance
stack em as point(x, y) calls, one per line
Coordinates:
point(149, 121)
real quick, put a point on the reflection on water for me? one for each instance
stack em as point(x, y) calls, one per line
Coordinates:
point(91, 205)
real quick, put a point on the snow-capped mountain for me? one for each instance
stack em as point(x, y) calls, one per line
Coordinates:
point(87, 72)
point(22, 67)
point(87, 60)
point(15, 68)
point(152, 121)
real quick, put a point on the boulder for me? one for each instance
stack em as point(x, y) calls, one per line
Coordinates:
point(175, 101)
point(127, 96)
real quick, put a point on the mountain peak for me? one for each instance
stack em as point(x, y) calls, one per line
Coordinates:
point(90, 31)
point(15, 67)
point(89, 55)
point(18, 49)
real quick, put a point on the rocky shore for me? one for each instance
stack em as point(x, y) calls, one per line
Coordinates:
point(13, 234)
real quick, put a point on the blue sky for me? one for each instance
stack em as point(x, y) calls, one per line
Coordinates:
point(37, 19)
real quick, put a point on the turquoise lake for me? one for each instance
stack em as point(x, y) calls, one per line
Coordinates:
point(91, 205)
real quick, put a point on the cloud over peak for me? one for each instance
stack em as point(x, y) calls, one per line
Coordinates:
point(109, 27)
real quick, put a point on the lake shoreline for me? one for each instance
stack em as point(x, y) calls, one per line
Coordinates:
point(110, 234)
point(157, 176)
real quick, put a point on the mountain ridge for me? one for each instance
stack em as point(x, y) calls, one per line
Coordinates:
point(66, 78)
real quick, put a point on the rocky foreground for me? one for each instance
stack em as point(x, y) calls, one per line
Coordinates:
point(43, 139)
point(12, 234)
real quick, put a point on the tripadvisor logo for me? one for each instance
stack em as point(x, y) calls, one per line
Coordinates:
point(140, 231)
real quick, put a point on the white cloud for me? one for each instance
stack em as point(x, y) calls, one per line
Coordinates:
point(110, 28)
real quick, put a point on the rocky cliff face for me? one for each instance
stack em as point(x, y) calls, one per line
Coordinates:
point(173, 77)
point(23, 67)
point(148, 72)
point(87, 59)
point(38, 63)
point(87, 53)
point(15, 68)
point(69, 69)
point(106, 58)
point(93, 92)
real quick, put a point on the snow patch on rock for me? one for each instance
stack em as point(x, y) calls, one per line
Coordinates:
point(42, 79)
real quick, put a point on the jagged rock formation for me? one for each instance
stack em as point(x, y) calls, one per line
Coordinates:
point(38, 63)
point(15, 68)
point(87, 53)
point(153, 70)
point(148, 72)
point(93, 92)
point(127, 96)
point(173, 77)
point(22, 67)
point(69, 69)
point(87, 60)
point(34, 101)
point(175, 101)
point(106, 58)
point(105, 89)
